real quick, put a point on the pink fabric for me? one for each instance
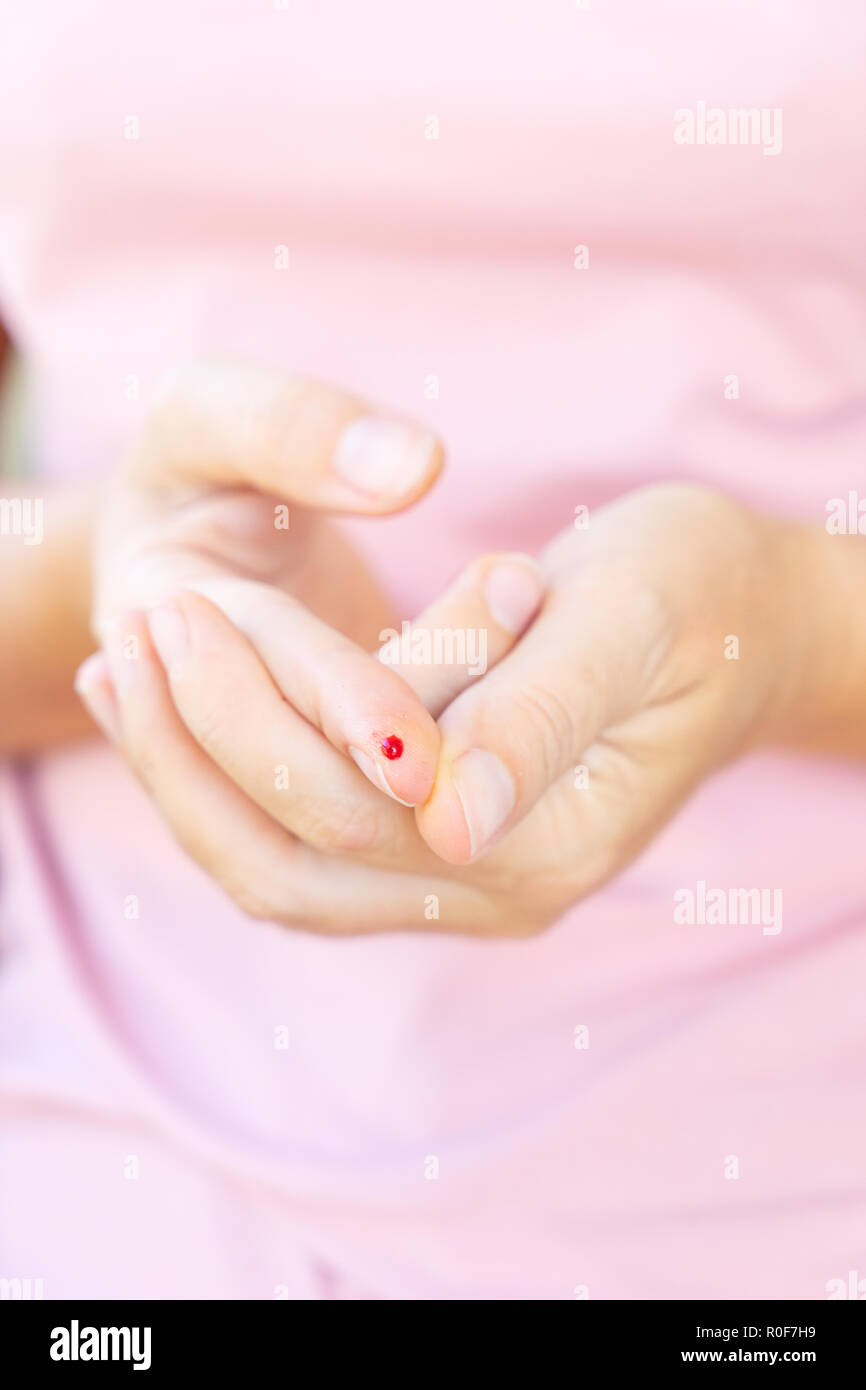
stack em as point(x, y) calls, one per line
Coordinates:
point(300, 1171)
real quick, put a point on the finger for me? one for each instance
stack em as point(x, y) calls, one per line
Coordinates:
point(230, 705)
point(578, 670)
point(466, 630)
point(218, 424)
point(94, 687)
point(267, 872)
point(362, 708)
point(210, 817)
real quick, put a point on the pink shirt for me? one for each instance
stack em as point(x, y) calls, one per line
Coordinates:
point(196, 1105)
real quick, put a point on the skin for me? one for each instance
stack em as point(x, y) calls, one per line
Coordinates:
point(260, 661)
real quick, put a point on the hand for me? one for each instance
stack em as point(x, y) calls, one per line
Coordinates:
point(665, 647)
point(668, 643)
point(231, 732)
point(225, 491)
point(622, 676)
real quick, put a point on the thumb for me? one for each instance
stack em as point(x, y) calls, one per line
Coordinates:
point(219, 424)
point(581, 668)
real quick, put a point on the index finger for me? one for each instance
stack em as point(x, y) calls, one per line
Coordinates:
point(219, 424)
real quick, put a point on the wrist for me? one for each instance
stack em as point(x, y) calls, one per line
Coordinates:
point(819, 699)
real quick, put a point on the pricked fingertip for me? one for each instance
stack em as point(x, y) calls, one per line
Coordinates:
point(374, 773)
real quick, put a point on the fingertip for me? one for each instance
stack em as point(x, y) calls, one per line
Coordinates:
point(125, 643)
point(92, 671)
point(513, 589)
point(387, 463)
point(471, 806)
point(400, 759)
point(442, 823)
point(95, 689)
point(374, 773)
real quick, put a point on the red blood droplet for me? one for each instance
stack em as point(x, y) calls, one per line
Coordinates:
point(392, 747)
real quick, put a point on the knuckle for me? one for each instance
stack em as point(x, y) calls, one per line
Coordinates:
point(252, 902)
point(550, 724)
point(257, 895)
point(172, 389)
point(206, 719)
point(304, 417)
point(260, 891)
point(272, 899)
point(341, 828)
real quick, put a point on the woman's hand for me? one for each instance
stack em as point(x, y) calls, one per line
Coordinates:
point(556, 765)
point(679, 630)
point(226, 493)
point(242, 709)
point(286, 825)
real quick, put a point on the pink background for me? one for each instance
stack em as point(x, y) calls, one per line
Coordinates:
point(303, 1169)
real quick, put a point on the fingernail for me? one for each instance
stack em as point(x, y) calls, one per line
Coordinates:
point(122, 651)
point(104, 626)
point(486, 792)
point(383, 457)
point(91, 672)
point(93, 687)
point(513, 592)
point(373, 772)
point(170, 635)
